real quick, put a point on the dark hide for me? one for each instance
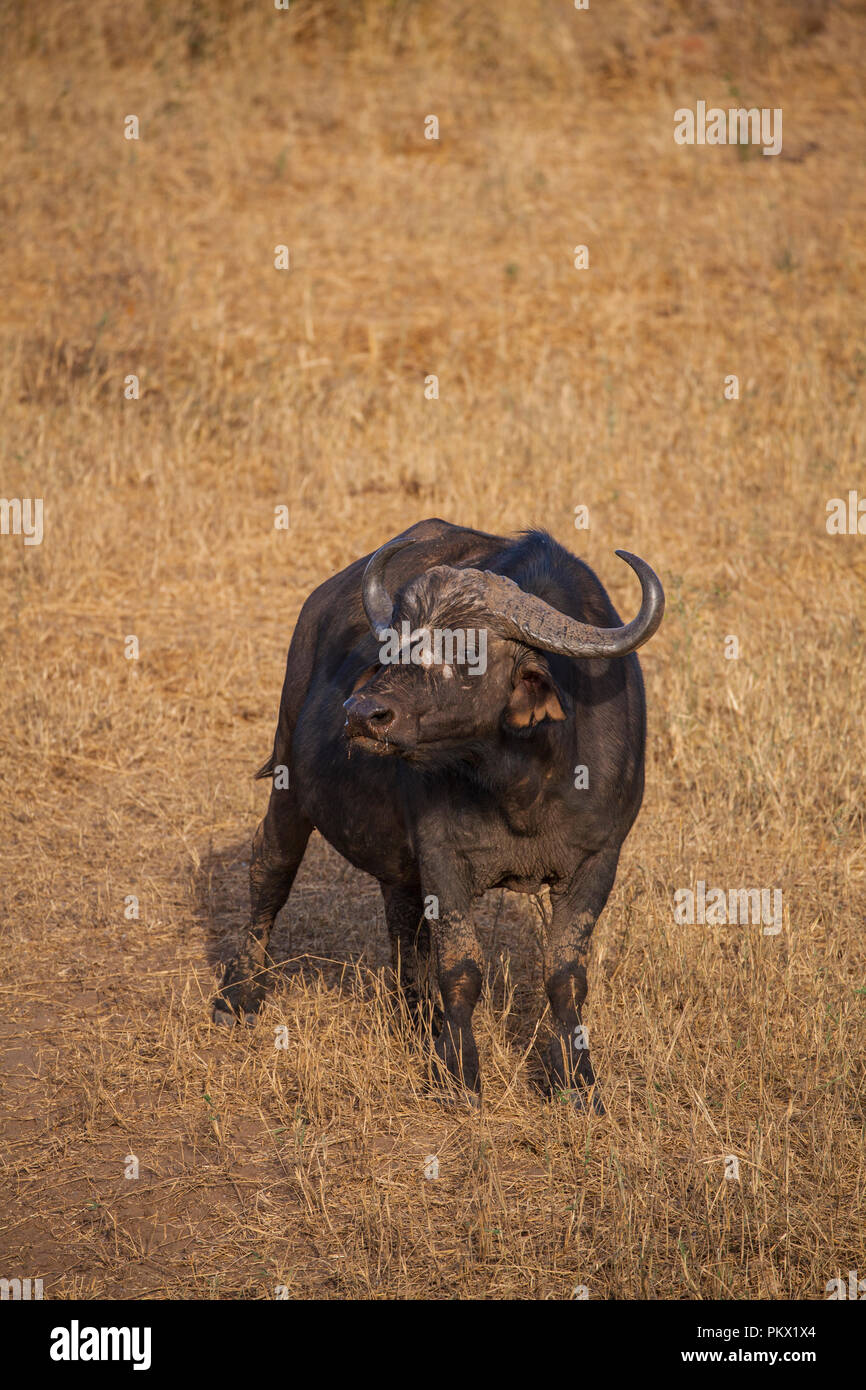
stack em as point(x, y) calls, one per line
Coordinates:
point(447, 784)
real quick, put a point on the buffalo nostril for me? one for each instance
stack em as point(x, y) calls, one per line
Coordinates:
point(381, 717)
point(367, 714)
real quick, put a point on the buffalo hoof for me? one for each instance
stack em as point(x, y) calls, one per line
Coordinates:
point(459, 1100)
point(454, 1089)
point(240, 995)
point(223, 1014)
point(583, 1099)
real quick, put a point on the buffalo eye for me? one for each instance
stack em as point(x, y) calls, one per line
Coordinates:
point(364, 677)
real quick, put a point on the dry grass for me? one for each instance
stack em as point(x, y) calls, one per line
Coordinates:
point(305, 1167)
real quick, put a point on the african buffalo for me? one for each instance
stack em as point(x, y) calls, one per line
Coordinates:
point(443, 774)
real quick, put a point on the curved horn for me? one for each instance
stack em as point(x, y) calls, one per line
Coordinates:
point(378, 604)
point(527, 618)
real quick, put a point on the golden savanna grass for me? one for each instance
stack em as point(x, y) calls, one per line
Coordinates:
point(304, 1167)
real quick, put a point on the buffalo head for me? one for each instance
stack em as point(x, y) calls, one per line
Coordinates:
point(463, 655)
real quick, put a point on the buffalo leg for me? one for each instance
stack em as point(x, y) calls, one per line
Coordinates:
point(575, 913)
point(460, 970)
point(409, 932)
point(278, 848)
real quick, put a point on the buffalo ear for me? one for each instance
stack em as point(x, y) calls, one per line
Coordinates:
point(533, 698)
